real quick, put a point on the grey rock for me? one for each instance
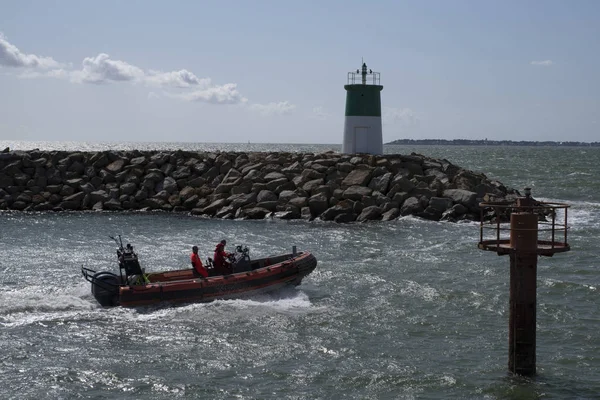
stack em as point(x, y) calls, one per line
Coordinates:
point(116, 166)
point(390, 214)
point(317, 203)
point(112, 204)
point(369, 213)
point(274, 175)
point(256, 213)
point(343, 207)
point(440, 203)
point(412, 205)
point(356, 192)
point(66, 190)
point(266, 195)
point(460, 196)
point(241, 200)
point(313, 184)
point(214, 206)
point(357, 177)
point(275, 183)
point(98, 196)
point(169, 185)
point(128, 188)
point(345, 218)
point(381, 183)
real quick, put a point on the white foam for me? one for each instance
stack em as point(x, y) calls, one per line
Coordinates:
point(420, 291)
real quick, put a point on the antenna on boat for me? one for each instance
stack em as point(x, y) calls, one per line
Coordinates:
point(118, 242)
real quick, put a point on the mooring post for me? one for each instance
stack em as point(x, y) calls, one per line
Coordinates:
point(523, 246)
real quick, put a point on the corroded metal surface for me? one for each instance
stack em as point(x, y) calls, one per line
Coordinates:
point(524, 230)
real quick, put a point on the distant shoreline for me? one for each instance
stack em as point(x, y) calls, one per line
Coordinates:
point(485, 142)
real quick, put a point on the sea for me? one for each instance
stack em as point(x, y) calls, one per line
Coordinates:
point(406, 309)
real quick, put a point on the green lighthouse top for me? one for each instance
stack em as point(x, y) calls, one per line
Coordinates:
point(363, 76)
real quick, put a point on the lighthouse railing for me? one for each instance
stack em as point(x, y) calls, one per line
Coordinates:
point(372, 78)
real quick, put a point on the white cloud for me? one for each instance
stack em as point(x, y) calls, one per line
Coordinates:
point(320, 113)
point(102, 69)
point(11, 56)
point(225, 94)
point(281, 108)
point(181, 79)
point(402, 116)
point(545, 63)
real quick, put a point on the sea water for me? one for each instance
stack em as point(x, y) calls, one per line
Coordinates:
point(396, 310)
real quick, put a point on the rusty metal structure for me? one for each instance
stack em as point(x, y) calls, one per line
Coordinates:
point(524, 230)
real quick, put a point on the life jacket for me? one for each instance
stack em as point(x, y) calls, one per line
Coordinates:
point(219, 259)
point(197, 264)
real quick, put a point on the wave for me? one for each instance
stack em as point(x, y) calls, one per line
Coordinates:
point(579, 173)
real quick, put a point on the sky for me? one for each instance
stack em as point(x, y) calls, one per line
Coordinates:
point(274, 71)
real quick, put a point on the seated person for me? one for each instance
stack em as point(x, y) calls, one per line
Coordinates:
point(220, 261)
point(199, 269)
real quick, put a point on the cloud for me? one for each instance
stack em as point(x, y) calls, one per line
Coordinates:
point(102, 69)
point(11, 56)
point(402, 116)
point(545, 63)
point(224, 94)
point(180, 79)
point(281, 108)
point(153, 95)
point(320, 113)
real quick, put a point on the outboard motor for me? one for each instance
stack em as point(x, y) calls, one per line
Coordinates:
point(105, 285)
point(105, 288)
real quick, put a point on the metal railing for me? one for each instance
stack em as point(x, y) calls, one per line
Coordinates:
point(499, 221)
point(356, 78)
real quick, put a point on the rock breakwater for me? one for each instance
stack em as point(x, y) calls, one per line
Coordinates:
point(330, 186)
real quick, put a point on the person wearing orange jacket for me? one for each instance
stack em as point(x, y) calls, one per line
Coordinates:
point(197, 263)
point(222, 267)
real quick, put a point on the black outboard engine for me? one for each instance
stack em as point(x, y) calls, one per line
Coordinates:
point(105, 288)
point(241, 259)
point(105, 285)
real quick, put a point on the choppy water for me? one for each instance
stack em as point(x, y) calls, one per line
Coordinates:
point(398, 310)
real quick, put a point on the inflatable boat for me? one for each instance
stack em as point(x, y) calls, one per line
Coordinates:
point(132, 286)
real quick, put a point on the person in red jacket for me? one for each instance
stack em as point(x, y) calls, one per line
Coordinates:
point(197, 263)
point(220, 261)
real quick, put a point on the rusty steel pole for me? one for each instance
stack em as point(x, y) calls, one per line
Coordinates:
point(523, 288)
point(523, 246)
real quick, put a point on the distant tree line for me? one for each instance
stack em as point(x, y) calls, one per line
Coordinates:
point(485, 142)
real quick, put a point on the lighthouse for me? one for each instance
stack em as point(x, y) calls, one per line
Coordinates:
point(362, 125)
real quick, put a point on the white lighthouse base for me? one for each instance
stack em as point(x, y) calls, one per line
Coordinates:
point(362, 135)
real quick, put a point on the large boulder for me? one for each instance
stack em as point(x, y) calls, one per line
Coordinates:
point(411, 206)
point(343, 207)
point(381, 182)
point(369, 213)
point(317, 204)
point(116, 166)
point(266, 195)
point(390, 214)
point(357, 177)
point(256, 213)
point(460, 196)
point(214, 206)
point(356, 192)
point(274, 175)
